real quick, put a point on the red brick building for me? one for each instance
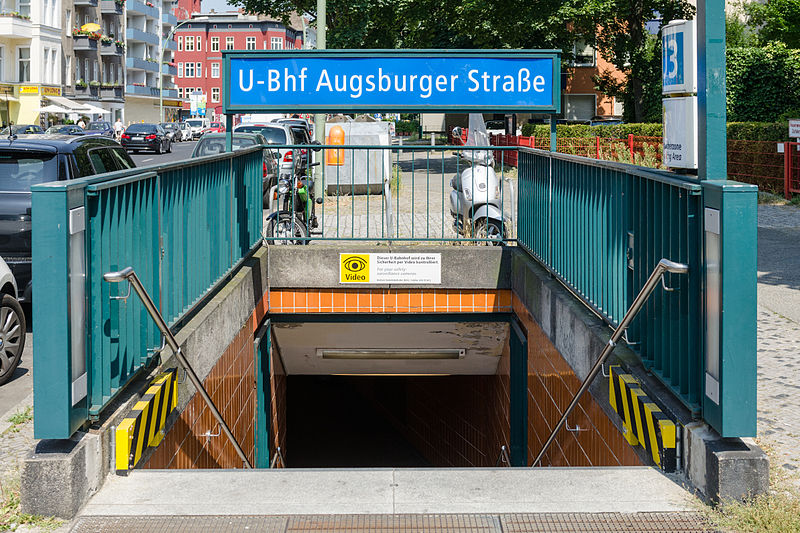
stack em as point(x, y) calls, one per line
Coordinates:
point(201, 41)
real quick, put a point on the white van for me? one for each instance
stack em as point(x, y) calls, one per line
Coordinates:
point(197, 125)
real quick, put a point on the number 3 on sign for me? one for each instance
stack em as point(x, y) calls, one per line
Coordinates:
point(672, 59)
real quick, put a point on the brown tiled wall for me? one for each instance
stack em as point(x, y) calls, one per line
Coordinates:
point(278, 404)
point(551, 386)
point(231, 386)
point(453, 421)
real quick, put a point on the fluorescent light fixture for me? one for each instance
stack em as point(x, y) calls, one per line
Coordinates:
point(383, 354)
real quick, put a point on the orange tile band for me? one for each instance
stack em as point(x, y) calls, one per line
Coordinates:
point(388, 301)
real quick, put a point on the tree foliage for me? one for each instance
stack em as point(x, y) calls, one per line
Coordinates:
point(763, 84)
point(776, 20)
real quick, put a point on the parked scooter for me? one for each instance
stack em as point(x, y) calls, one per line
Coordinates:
point(475, 201)
point(292, 211)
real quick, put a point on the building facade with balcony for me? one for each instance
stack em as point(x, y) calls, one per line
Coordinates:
point(93, 55)
point(201, 41)
point(148, 23)
point(30, 58)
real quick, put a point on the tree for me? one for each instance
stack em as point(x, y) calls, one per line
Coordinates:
point(625, 41)
point(776, 20)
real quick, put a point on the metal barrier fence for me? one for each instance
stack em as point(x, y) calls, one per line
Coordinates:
point(183, 226)
point(399, 193)
point(634, 149)
point(791, 166)
point(601, 228)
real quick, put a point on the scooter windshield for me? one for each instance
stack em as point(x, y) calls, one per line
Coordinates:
point(477, 136)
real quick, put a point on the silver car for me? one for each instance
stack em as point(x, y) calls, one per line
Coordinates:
point(278, 134)
point(12, 325)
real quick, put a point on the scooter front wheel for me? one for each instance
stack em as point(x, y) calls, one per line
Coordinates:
point(489, 229)
point(286, 229)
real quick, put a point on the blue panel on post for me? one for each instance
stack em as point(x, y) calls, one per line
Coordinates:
point(729, 400)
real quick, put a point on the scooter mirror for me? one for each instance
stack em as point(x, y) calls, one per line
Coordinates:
point(457, 132)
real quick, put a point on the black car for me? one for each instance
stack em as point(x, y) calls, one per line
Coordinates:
point(22, 129)
point(100, 127)
point(146, 137)
point(173, 131)
point(31, 160)
point(65, 129)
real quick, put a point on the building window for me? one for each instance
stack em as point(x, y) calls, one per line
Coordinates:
point(228, 43)
point(215, 94)
point(180, 43)
point(24, 8)
point(251, 43)
point(199, 72)
point(68, 20)
point(583, 54)
point(215, 70)
point(67, 70)
point(276, 43)
point(199, 44)
point(180, 92)
point(180, 70)
point(190, 70)
point(189, 43)
point(215, 44)
point(2, 63)
point(24, 73)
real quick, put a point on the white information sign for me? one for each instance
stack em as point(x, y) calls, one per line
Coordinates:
point(390, 268)
point(794, 128)
point(680, 132)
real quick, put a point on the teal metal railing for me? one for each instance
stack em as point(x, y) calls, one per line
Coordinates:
point(183, 226)
point(601, 228)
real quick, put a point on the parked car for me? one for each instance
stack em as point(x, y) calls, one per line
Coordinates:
point(65, 129)
point(197, 125)
point(186, 131)
point(12, 325)
point(100, 127)
point(173, 131)
point(278, 134)
point(22, 129)
point(31, 160)
point(214, 127)
point(297, 122)
point(214, 143)
point(145, 137)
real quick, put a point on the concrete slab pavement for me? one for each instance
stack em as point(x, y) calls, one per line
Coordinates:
point(392, 491)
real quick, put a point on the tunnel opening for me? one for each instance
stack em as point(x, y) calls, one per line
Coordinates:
point(394, 421)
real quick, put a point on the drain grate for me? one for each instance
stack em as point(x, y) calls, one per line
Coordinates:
point(412, 523)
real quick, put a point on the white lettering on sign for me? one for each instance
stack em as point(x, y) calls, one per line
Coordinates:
point(408, 269)
point(794, 128)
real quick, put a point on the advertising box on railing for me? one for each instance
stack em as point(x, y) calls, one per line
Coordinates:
point(355, 171)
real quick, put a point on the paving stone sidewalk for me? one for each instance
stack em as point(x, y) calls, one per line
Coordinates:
point(779, 358)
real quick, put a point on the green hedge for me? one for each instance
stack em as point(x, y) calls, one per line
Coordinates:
point(751, 131)
point(406, 126)
point(763, 84)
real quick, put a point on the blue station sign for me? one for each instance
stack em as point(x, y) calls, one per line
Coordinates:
point(333, 81)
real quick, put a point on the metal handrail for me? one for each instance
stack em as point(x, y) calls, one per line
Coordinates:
point(663, 266)
point(278, 456)
point(503, 458)
point(127, 274)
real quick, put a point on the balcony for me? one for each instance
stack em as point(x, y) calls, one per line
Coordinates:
point(82, 43)
point(111, 93)
point(111, 49)
point(141, 91)
point(171, 45)
point(169, 70)
point(87, 91)
point(134, 6)
point(170, 93)
point(169, 18)
point(137, 63)
point(111, 7)
point(86, 3)
point(133, 34)
point(14, 27)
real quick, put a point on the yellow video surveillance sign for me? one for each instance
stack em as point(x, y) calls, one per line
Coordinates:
point(412, 269)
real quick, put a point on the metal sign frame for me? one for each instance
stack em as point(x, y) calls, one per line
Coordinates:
point(350, 107)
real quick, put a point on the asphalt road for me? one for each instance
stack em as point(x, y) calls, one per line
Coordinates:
point(21, 385)
point(778, 270)
point(180, 151)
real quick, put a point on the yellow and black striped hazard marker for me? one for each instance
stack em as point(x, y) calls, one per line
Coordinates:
point(645, 424)
point(144, 426)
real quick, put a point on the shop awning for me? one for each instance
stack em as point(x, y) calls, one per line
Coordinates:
point(8, 98)
point(73, 107)
point(94, 110)
point(52, 108)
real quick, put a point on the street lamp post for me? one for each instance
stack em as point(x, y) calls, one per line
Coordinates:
point(161, 65)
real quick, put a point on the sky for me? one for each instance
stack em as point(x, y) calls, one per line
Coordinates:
point(216, 5)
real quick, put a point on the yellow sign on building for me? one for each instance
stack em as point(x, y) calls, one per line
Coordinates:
point(28, 89)
point(51, 91)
